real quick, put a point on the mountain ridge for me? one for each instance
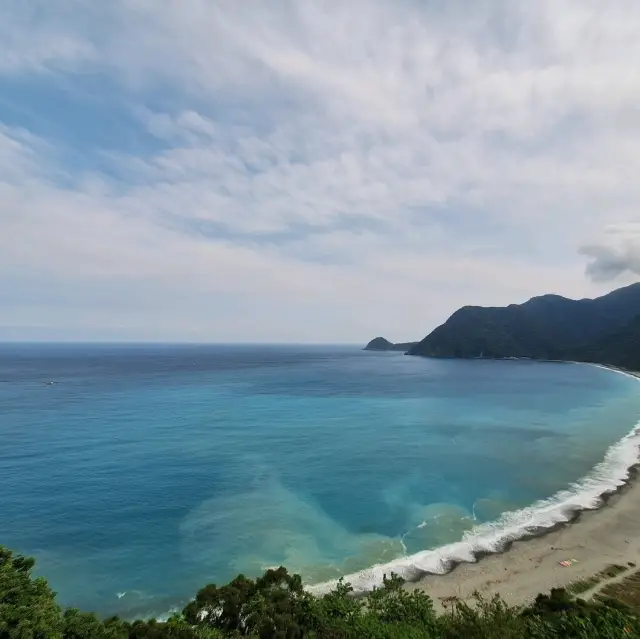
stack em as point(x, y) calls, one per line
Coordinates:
point(604, 329)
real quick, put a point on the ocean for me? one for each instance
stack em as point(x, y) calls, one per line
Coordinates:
point(136, 474)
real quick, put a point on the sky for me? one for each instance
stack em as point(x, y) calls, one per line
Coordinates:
point(310, 171)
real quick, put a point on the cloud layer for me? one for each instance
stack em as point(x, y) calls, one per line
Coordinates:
point(617, 254)
point(309, 171)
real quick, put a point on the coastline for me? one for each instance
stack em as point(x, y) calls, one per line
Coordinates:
point(596, 537)
point(529, 566)
point(593, 521)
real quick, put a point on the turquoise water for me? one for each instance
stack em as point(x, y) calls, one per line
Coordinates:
point(144, 472)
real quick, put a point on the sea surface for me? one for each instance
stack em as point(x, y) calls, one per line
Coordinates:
point(137, 474)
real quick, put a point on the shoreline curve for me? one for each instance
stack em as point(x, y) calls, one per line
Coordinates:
point(604, 484)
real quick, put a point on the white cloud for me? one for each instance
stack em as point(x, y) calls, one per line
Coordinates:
point(616, 254)
point(377, 162)
point(41, 36)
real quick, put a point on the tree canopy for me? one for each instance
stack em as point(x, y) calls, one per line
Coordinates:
point(276, 606)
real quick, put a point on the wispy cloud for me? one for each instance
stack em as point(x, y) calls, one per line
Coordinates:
point(307, 170)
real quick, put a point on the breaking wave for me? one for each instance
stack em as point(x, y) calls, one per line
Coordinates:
point(588, 493)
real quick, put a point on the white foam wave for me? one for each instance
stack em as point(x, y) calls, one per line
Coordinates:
point(164, 617)
point(491, 537)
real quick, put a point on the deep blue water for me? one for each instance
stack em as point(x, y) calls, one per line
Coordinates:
point(144, 472)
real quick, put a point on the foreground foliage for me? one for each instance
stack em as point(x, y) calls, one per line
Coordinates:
point(276, 606)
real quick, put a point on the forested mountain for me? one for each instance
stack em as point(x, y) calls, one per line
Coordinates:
point(620, 348)
point(603, 329)
point(382, 344)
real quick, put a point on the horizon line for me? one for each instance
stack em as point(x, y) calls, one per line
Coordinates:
point(98, 342)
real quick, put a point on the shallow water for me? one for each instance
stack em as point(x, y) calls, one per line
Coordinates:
point(144, 472)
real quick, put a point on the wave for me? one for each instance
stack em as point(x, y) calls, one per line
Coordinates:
point(588, 493)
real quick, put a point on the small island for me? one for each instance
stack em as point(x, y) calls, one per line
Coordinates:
point(382, 344)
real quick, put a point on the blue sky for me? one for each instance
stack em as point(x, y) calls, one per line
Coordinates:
point(310, 171)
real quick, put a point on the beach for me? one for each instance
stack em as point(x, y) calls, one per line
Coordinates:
point(592, 523)
point(343, 463)
point(594, 540)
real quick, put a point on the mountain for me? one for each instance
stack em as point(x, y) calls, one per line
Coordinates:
point(382, 344)
point(620, 348)
point(546, 327)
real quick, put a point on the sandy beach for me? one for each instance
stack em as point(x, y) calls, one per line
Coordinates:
point(595, 538)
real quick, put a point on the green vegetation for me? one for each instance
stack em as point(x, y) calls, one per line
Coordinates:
point(605, 330)
point(276, 606)
point(620, 348)
point(382, 344)
point(612, 571)
point(626, 591)
point(583, 585)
